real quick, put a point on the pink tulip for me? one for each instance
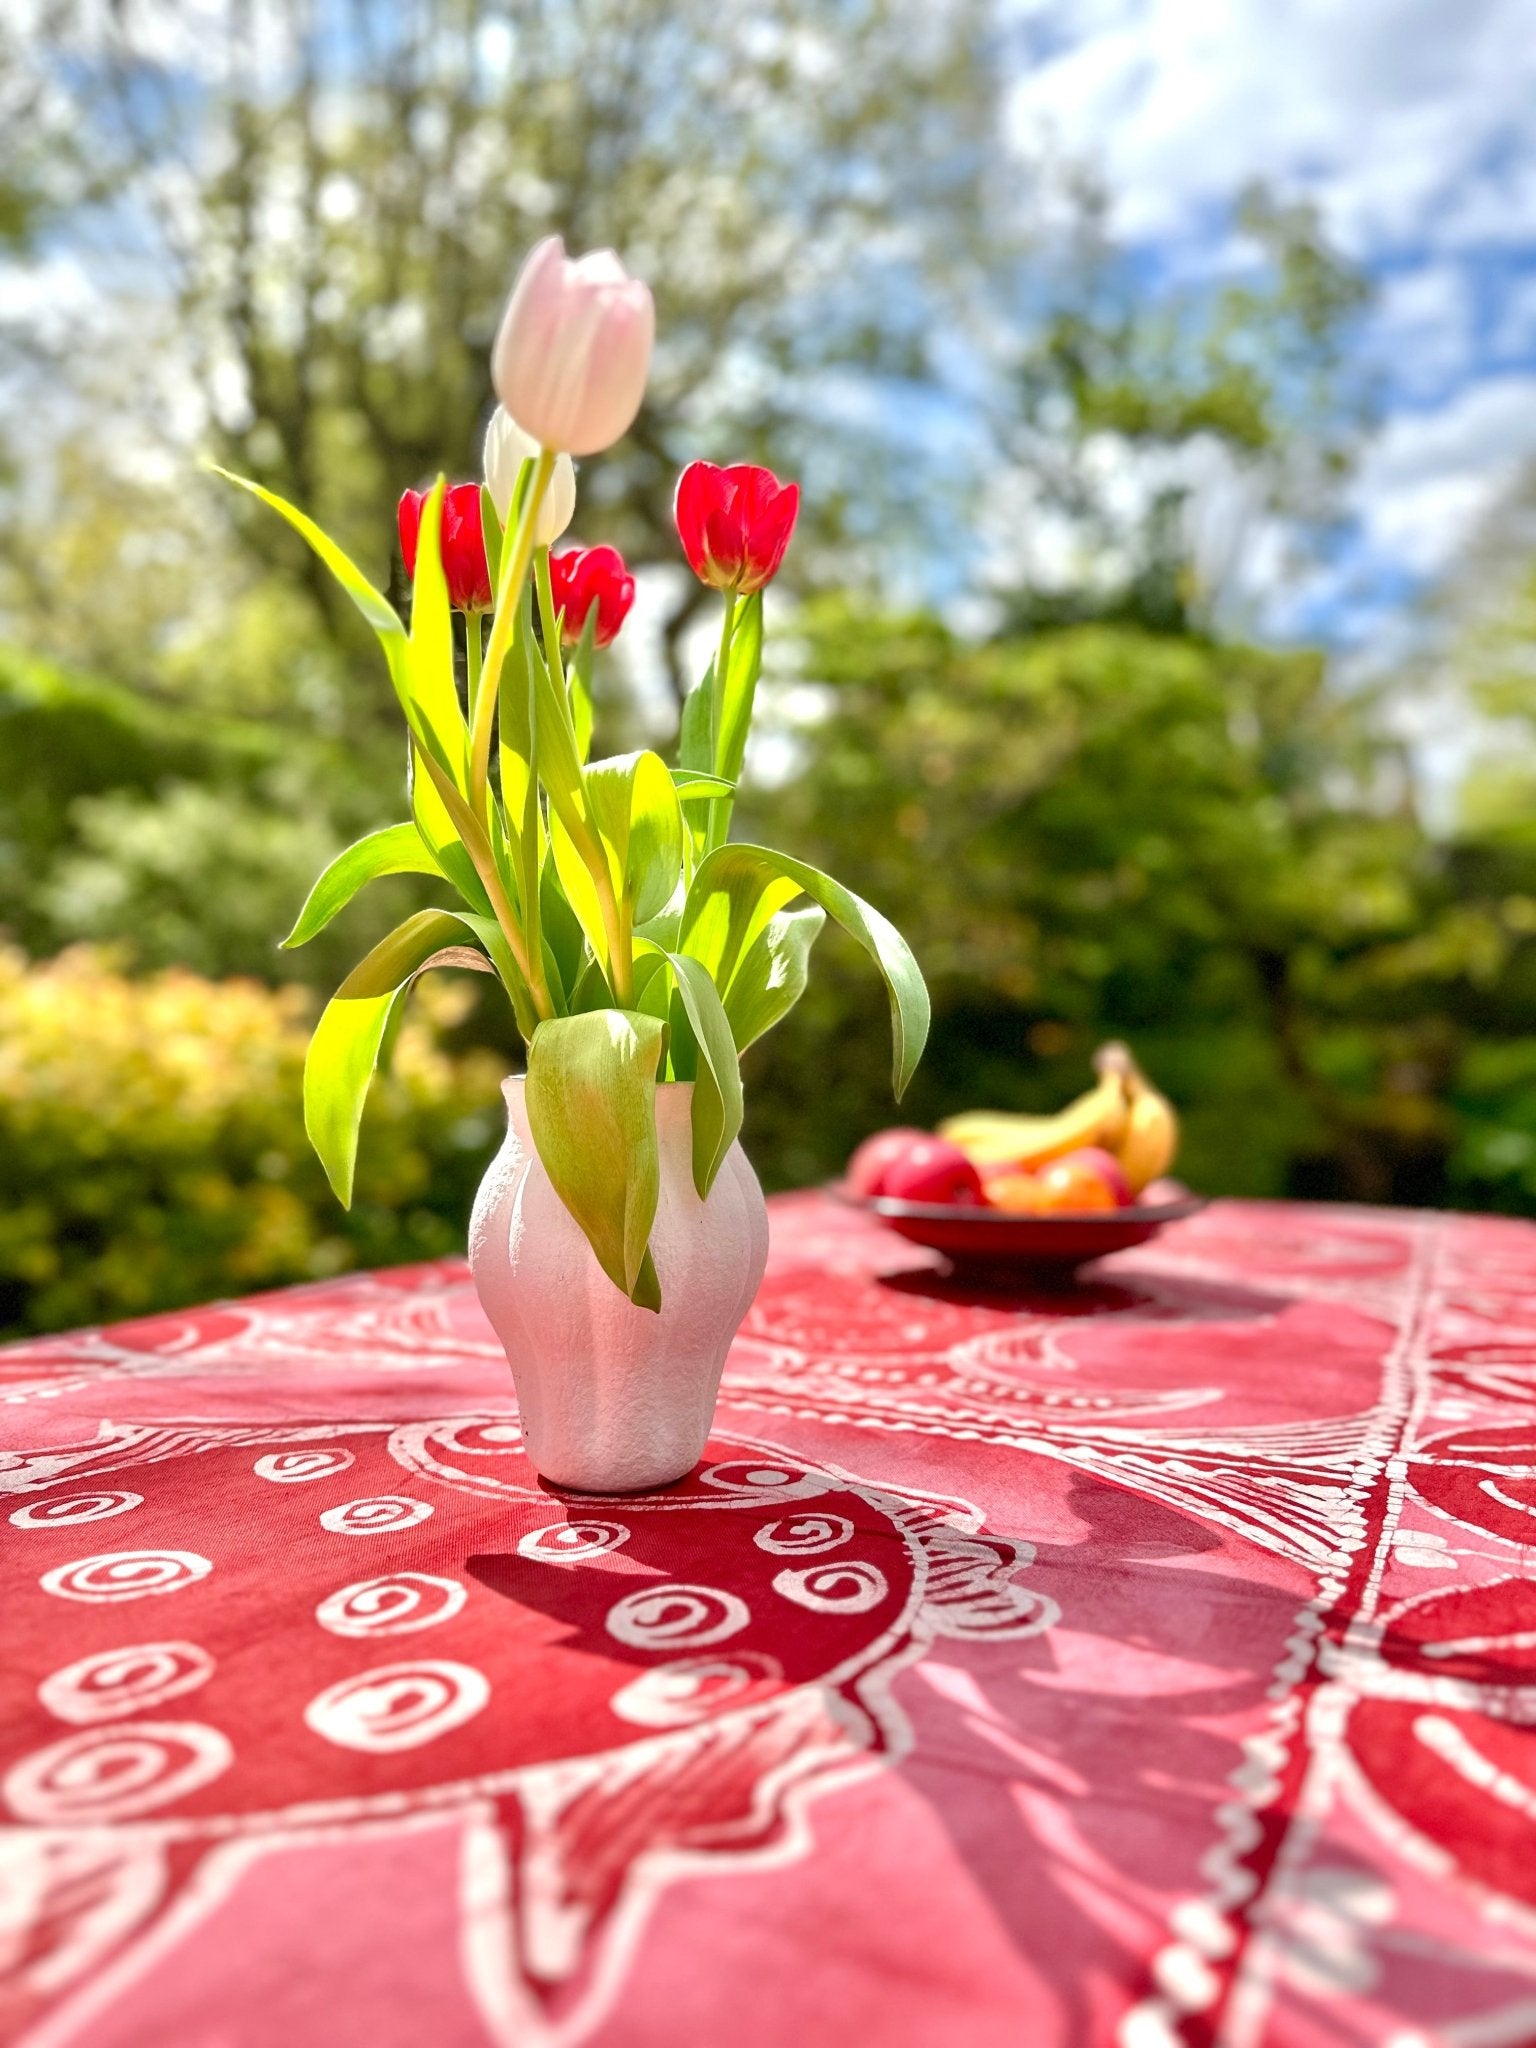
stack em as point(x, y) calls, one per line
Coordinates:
point(574, 348)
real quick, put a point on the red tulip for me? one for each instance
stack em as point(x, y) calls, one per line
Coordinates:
point(735, 523)
point(462, 544)
point(583, 577)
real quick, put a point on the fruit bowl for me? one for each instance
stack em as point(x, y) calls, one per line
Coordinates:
point(996, 1242)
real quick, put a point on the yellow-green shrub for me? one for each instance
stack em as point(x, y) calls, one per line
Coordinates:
point(152, 1149)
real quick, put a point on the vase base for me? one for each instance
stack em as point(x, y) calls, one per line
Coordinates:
point(596, 1489)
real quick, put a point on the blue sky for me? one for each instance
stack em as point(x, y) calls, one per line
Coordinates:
point(1412, 125)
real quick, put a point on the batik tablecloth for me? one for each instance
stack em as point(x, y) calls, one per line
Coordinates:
point(1148, 1661)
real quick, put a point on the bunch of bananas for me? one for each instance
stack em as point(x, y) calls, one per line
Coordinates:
point(1122, 1114)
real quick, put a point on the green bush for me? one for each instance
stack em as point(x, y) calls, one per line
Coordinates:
point(152, 1149)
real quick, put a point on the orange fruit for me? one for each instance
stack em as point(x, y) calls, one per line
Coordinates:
point(1073, 1186)
point(1021, 1193)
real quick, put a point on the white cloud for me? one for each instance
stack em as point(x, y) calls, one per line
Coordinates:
point(1423, 329)
point(1430, 477)
point(1387, 110)
point(1514, 333)
point(1412, 125)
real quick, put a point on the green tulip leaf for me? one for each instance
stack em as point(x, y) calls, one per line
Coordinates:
point(773, 973)
point(742, 671)
point(694, 786)
point(430, 651)
point(694, 754)
point(397, 850)
point(490, 527)
point(374, 606)
point(338, 1067)
point(345, 1047)
point(579, 681)
point(396, 958)
point(739, 889)
point(717, 1099)
point(563, 935)
point(636, 811)
point(591, 1097)
point(576, 883)
point(701, 1050)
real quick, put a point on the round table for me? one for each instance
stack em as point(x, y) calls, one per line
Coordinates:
point(1141, 1661)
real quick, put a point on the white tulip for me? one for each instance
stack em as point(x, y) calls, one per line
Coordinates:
point(507, 448)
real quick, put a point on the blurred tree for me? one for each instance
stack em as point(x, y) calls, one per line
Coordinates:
point(1164, 423)
point(1100, 831)
point(333, 199)
point(860, 273)
point(298, 220)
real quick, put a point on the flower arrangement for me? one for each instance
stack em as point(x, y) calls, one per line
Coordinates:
point(636, 943)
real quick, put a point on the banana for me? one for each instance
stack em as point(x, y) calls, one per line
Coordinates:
point(994, 1137)
point(1150, 1137)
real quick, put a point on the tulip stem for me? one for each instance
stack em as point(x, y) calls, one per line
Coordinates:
point(473, 650)
point(514, 574)
point(719, 813)
point(478, 847)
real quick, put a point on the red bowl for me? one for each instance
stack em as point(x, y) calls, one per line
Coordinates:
point(995, 1241)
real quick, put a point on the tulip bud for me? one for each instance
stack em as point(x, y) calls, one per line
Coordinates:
point(583, 577)
point(574, 348)
point(734, 523)
point(461, 543)
point(507, 448)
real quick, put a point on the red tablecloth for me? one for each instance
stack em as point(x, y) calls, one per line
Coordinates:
point(1151, 1662)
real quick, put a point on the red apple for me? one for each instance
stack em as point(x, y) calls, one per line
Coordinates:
point(865, 1172)
point(933, 1170)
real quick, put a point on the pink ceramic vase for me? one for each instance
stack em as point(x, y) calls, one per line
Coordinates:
point(614, 1398)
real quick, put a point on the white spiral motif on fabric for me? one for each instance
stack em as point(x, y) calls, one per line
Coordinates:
point(117, 1773)
point(677, 1617)
point(111, 1683)
point(125, 1575)
point(804, 1535)
point(847, 1587)
point(78, 1507)
point(751, 1475)
point(481, 1439)
point(396, 1605)
point(292, 1468)
point(570, 1542)
point(397, 1706)
point(379, 1516)
point(693, 1689)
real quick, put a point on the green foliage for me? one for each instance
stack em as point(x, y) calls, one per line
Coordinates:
point(187, 834)
point(591, 1097)
point(152, 1151)
point(1208, 849)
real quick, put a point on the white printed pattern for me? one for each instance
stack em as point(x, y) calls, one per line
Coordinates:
point(572, 1542)
point(125, 1575)
point(398, 1706)
point(677, 1617)
point(694, 1689)
point(293, 1468)
point(847, 1586)
point(111, 1683)
point(398, 1604)
point(116, 1773)
point(383, 1515)
point(60, 1513)
point(804, 1535)
point(401, 1707)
